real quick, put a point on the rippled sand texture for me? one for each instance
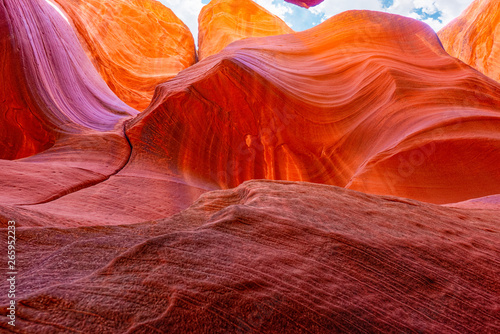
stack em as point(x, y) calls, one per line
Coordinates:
point(134, 44)
point(365, 100)
point(268, 257)
point(222, 22)
point(474, 37)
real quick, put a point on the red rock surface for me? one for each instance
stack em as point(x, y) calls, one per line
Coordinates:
point(57, 99)
point(108, 237)
point(336, 105)
point(365, 100)
point(22, 132)
point(268, 257)
point(135, 44)
point(222, 22)
point(474, 37)
point(305, 3)
point(46, 77)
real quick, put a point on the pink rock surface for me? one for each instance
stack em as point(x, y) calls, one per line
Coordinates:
point(268, 257)
point(482, 203)
point(49, 86)
point(443, 147)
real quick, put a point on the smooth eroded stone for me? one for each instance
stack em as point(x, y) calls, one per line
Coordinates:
point(134, 44)
point(366, 100)
point(474, 37)
point(59, 107)
point(49, 87)
point(222, 22)
point(58, 115)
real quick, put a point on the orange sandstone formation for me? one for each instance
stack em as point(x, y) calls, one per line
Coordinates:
point(222, 22)
point(474, 37)
point(366, 100)
point(347, 103)
point(135, 44)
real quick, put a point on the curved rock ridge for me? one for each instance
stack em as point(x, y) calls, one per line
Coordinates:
point(56, 102)
point(134, 44)
point(305, 3)
point(222, 22)
point(49, 86)
point(365, 100)
point(89, 183)
point(267, 257)
point(491, 202)
point(474, 37)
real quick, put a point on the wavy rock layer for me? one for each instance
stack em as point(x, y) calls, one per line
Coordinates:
point(365, 100)
point(346, 103)
point(474, 37)
point(268, 257)
point(135, 44)
point(89, 187)
point(49, 88)
point(22, 131)
point(222, 22)
point(55, 98)
point(305, 3)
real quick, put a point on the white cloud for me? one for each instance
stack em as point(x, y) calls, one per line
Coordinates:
point(279, 8)
point(187, 11)
point(449, 9)
point(328, 8)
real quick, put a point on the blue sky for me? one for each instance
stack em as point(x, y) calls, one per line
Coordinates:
point(436, 13)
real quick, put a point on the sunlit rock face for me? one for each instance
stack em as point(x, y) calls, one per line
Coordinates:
point(305, 3)
point(267, 257)
point(366, 100)
point(222, 22)
point(474, 37)
point(134, 44)
point(49, 88)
